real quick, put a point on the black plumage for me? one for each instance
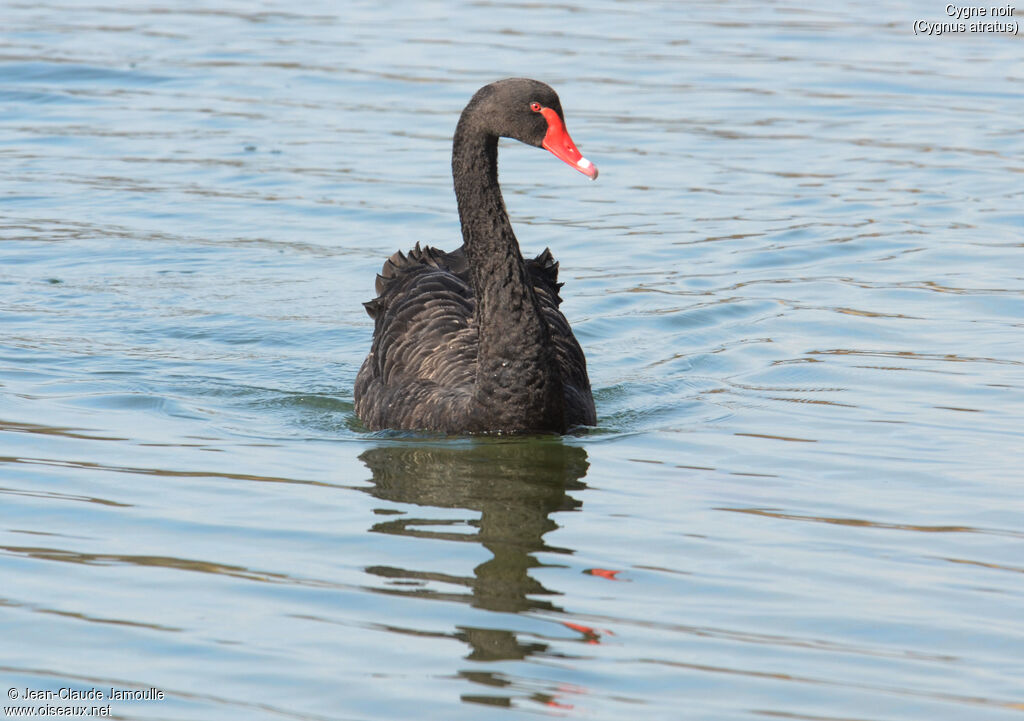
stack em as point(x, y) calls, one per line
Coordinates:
point(473, 341)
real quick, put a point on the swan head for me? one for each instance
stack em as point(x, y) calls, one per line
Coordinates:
point(528, 111)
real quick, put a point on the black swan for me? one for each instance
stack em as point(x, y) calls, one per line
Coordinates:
point(472, 341)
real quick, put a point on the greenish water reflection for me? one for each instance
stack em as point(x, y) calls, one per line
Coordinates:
point(515, 486)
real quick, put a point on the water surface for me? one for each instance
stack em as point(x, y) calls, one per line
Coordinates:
point(797, 281)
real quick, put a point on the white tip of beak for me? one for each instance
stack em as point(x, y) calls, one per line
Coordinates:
point(587, 167)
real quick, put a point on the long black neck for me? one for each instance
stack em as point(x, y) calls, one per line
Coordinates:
point(518, 385)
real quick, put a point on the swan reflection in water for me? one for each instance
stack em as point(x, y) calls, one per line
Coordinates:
point(515, 485)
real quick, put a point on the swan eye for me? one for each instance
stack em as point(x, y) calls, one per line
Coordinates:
point(535, 107)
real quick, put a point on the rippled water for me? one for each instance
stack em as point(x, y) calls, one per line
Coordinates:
point(798, 282)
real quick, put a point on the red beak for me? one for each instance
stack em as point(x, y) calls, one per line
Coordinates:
point(559, 144)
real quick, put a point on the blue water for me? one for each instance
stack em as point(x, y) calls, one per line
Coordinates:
point(798, 282)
